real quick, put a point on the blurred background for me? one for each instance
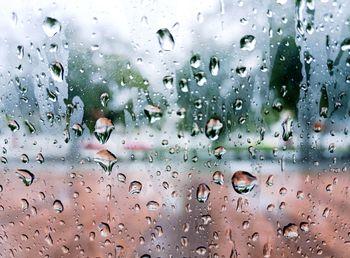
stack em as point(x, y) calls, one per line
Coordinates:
point(124, 124)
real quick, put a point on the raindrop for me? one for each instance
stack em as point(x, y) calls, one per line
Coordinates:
point(238, 104)
point(24, 158)
point(51, 95)
point(152, 205)
point(103, 129)
point(218, 178)
point(153, 113)
point(242, 71)
point(290, 231)
point(104, 229)
point(20, 52)
point(106, 160)
point(304, 226)
point(121, 177)
point(201, 79)
point(195, 61)
point(201, 250)
point(48, 240)
point(165, 39)
point(203, 192)
point(323, 109)
point(77, 129)
point(40, 158)
point(30, 126)
point(345, 45)
point(214, 65)
point(24, 204)
point(183, 84)
point(57, 71)
point(287, 129)
point(26, 176)
point(213, 129)
point(243, 182)
point(104, 98)
point(248, 43)
point(51, 26)
point(168, 81)
point(219, 152)
point(13, 125)
point(58, 206)
point(135, 187)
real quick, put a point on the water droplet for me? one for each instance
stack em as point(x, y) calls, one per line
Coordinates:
point(165, 39)
point(40, 158)
point(168, 81)
point(201, 78)
point(195, 61)
point(58, 206)
point(323, 109)
point(243, 182)
point(13, 125)
point(241, 71)
point(104, 228)
point(106, 160)
point(135, 187)
point(267, 250)
point(104, 98)
point(238, 104)
point(26, 176)
point(214, 65)
point(304, 226)
point(48, 240)
point(30, 126)
point(269, 181)
point(287, 129)
point(218, 178)
point(153, 113)
point(290, 231)
point(345, 45)
point(183, 84)
point(24, 204)
point(203, 192)
point(201, 250)
point(66, 135)
point(24, 158)
point(57, 71)
point(20, 52)
point(51, 95)
point(77, 129)
point(213, 129)
point(152, 205)
point(103, 129)
point(248, 43)
point(219, 152)
point(51, 26)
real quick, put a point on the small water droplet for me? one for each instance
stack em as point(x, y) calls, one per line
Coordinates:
point(40, 158)
point(214, 65)
point(248, 43)
point(26, 176)
point(103, 129)
point(104, 229)
point(165, 39)
point(287, 129)
point(58, 206)
point(201, 78)
point(203, 192)
point(345, 45)
point(135, 187)
point(219, 152)
point(51, 26)
point(57, 71)
point(77, 129)
point(24, 158)
point(13, 125)
point(30, 126)
point(152, 205)
point(213, 129)
point(218, 178)
point(20, 52)
point(153, 113)
point(168, 81)
point(243, 182)
point(104, 98)
point(183, 84)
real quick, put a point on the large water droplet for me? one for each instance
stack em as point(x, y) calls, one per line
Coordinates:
point(345, 45)
point(13, 125)
point(57, 71)
point(165, 39)
point(51, 26)
point(243, 182)
point(77, 129)
point(195, 61)
point(248, 43)
point(183, 84)
point(168, 81)
point(103, 129)
point(26, 176)
point(214, 66)
point(106, 160)
point(219, 152)
point(203, 192)
point(135, 187)
point(153, 113)
point(201, 78)
point(58, 206)
point(213, 129)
